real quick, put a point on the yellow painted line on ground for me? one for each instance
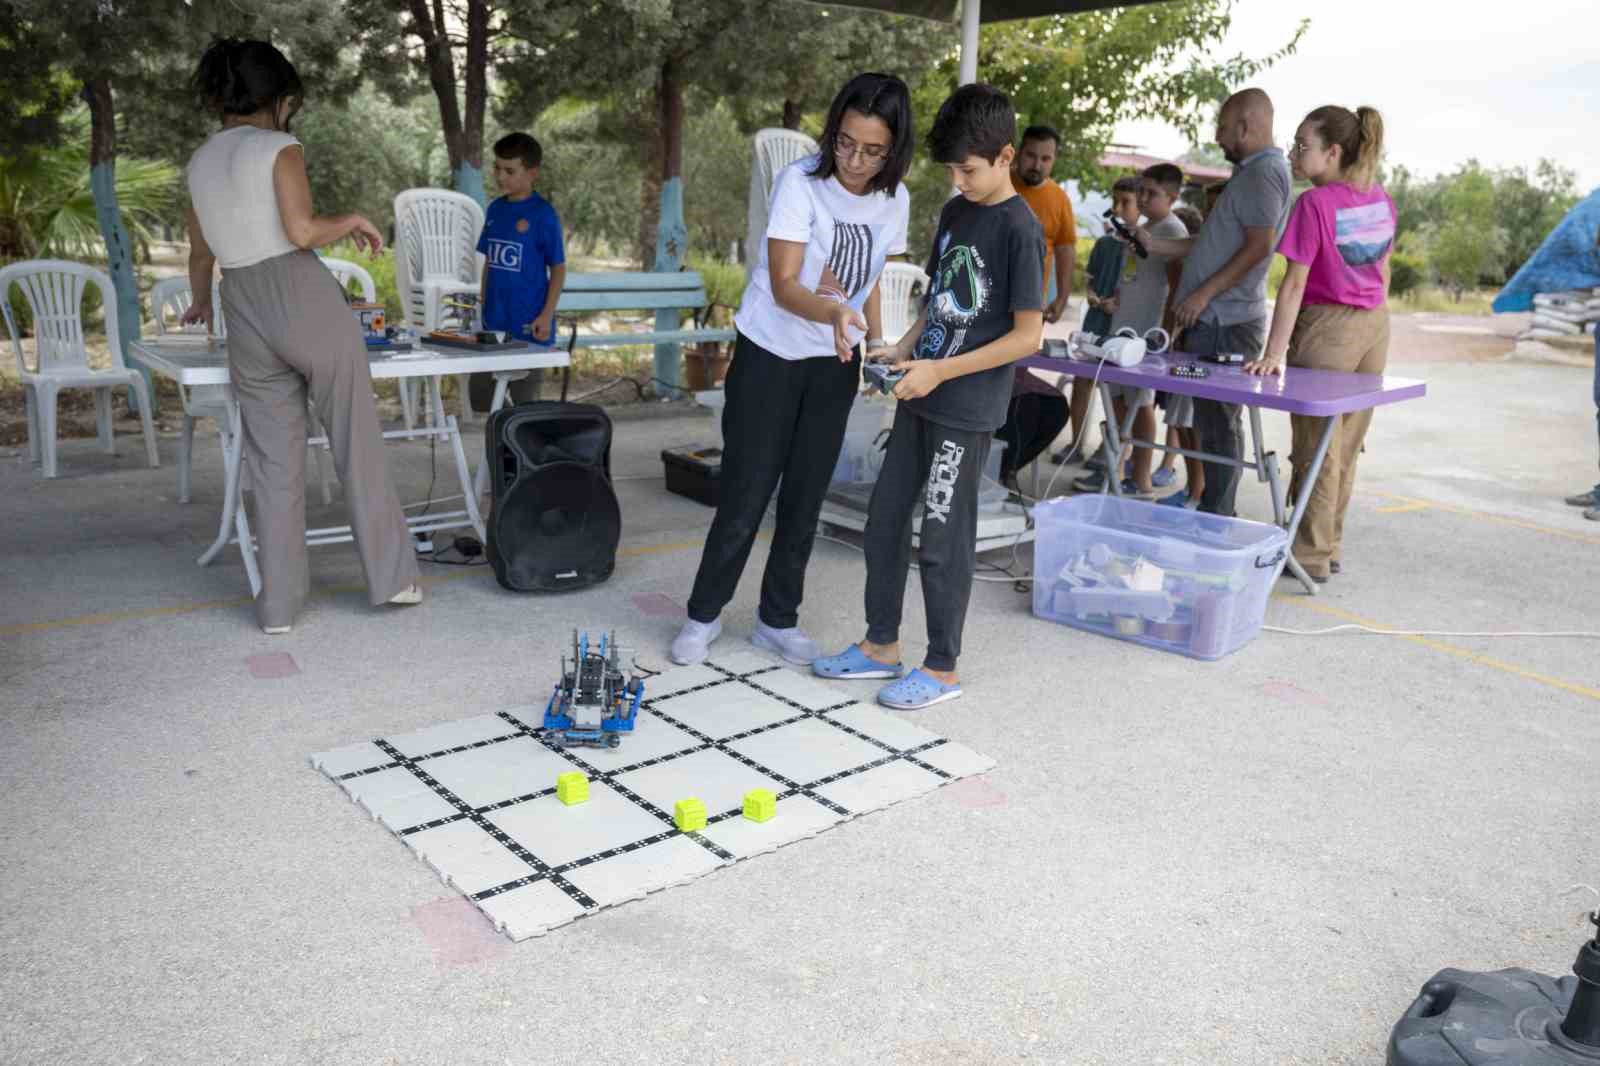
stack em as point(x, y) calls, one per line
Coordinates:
point(1411, 503)
point(102, 618)
point(1440, 646)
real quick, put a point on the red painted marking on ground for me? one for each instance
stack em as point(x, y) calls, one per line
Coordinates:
point(272, 664)
point(458, 932)
point(657, 605)
point(1288, 690)
point(975, 792)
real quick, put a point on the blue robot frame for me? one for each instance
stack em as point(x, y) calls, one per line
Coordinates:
point(592, 706)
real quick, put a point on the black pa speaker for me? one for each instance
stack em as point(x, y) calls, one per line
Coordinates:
point(556, 522)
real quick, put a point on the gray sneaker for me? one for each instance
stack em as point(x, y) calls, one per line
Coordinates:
point(792, 643)
point(1593, 513)
point(694, 641)
point(1583, 499)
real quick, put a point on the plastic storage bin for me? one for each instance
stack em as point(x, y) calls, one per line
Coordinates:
point(1171, 578)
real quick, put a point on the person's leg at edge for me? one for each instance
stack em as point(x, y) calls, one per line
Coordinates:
point(1353, 434)
point(1144, 428)
point(272, 408)
point(758, 424)
point(886, 542)
point(340, 380)
point(827, 389)
point(946, 555)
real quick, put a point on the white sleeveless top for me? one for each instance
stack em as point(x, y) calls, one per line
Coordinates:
point(230, 185)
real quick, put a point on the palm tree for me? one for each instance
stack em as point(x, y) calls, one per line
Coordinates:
point(47, 208)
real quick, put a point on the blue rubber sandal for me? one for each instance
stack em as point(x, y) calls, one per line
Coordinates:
point(853, 664)
point(917, 690)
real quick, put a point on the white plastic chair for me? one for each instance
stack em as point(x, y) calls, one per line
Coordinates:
point(898, 289)
point(54, 290)
point(435, 257)
point(774, 149)
point(169, 299)
point(344, 272)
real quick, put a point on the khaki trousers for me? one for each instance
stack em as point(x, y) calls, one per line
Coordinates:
point(290, 332)
point(1352, 340)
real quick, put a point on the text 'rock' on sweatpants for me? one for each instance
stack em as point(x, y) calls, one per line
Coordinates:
point(291, 333)
point(936, 470)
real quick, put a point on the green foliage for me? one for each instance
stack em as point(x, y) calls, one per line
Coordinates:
point(724, 283)
point(1467, 242)
point(1406, 273)
point(1086, 73)
point(590, 175)
point(382, 270)
point(1525, 208)
point(47, 208)
point(360, 153)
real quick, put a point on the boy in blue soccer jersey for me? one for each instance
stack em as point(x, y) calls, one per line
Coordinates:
point(525, 261)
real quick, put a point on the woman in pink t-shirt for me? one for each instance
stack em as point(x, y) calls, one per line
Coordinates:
point(1332, 310)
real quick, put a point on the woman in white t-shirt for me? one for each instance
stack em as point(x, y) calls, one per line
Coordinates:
point(833, 220)
point(290, 330)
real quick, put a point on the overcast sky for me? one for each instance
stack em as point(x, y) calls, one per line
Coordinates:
point(1507, 83)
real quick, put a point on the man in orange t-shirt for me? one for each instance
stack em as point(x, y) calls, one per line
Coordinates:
point(1034, 162)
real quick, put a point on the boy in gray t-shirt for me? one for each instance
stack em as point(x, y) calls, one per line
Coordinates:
point(1140, 304)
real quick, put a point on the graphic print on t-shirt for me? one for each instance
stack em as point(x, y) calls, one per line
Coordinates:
point(958, 292)
point(849, 262)
point(1363, 234)
point(504, 255)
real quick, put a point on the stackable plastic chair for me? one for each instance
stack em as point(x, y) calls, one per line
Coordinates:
point(774, 149)
point(435, 257)
point(897, 297)
point(55, 291)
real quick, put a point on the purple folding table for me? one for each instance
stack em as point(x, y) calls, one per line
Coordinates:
point(1318, 393)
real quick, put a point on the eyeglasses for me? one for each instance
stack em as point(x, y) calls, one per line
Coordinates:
point(846, 148)
point(1299, 147)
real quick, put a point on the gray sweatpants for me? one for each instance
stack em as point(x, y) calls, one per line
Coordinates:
point(290, 331)
point(936, 469)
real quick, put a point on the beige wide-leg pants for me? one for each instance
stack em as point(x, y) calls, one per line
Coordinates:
point(1352, 340)
point(290, 332)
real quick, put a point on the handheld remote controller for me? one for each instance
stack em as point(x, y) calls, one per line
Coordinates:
point(879, 376)
point(1127, 234)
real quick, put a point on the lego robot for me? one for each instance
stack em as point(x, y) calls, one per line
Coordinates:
point(592, 705)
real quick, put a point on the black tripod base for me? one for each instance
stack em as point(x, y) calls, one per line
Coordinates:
point(1505, 1018)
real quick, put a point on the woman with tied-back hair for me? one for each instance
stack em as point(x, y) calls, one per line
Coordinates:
point(290, 331)
point(812, 298)
point(1332, 311)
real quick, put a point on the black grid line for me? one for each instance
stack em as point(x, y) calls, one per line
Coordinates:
point(580, 897)
point(430, 755)
point(541, 871)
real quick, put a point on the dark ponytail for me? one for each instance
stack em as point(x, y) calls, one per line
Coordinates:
point(244, 77)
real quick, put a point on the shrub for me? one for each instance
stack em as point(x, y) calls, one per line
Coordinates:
point(1406, 272)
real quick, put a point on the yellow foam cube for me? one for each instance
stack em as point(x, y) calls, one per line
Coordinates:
point(760, 804)
point(689, 815)
point(572, 787)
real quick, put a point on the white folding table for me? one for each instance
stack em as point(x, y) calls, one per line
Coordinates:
point(200, 362)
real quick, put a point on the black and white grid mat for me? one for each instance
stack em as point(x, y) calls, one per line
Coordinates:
point(476, 799)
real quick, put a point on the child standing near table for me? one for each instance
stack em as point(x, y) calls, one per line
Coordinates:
point(525, 262)
point(985, 310)
point(1104, 274)
point(1332, 311)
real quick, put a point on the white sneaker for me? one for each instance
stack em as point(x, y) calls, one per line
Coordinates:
point(791, 643)
point(694, 640)
point(274, 631)
point(407, 596)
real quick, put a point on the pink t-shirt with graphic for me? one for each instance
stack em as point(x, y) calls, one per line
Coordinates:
point(1343, 235)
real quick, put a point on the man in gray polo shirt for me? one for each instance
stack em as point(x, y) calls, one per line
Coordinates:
point(1221, 300)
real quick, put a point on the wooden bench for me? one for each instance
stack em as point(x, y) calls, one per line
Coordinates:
point(669, 294)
